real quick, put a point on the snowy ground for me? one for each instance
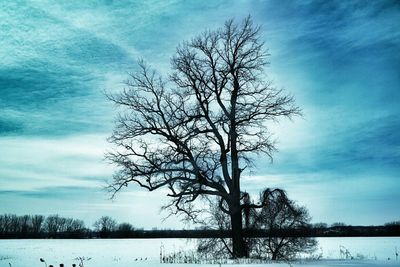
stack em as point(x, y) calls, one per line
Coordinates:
point(369, 252)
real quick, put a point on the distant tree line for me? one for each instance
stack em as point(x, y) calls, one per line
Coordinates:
point(55, 226)
point(39, 226)
point(344, 230)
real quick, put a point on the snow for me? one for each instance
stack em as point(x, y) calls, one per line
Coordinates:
point(369, 252)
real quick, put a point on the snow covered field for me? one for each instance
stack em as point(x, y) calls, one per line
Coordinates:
point(371, 251)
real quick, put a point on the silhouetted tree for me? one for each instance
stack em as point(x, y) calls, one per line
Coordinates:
point(54, 224)
point(75, 227)
point(37, 223)
point(24, 224)
point(3, 224)
point(338, 224)
point(14, 225)
point(195, 133)
point(274, 213)
point(105, 225)
point(320, 225)
point(394, 223)
point(125, 229)
point(281, 217)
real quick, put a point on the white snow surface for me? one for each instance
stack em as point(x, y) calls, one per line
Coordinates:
point(366, 251)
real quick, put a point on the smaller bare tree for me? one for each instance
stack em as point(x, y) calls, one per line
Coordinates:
point(274, 213)
point(105, 225)
point(37, 223)
point(54, 224)
point(281, 217)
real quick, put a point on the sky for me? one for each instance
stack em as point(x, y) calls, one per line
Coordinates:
point(339, 59)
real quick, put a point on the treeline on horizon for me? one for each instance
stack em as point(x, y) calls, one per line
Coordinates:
point(55, 226)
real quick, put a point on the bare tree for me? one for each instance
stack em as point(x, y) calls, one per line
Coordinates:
point(37, 223)
point(281, 217)
point(196, 132)
point(25, 224)
point(14, 223)
point(125, 229)
point(54, 224)
point(105, 225)
point(3, 224)
point(280, 221)
point(73, 226)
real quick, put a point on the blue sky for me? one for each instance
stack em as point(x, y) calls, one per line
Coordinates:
point(340, 59)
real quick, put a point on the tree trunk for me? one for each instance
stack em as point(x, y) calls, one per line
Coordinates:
point(274, 255)
point(239, 247)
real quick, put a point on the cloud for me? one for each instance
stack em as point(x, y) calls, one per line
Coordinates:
point(334, 53)
point(56, 192)
point(34, 163)
point(52, 73)
point(37, 82)
point(370, 145)
point(335, 26)
point(8, 127)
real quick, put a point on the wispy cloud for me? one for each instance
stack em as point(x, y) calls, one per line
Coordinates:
point(34, 163)
point(371, 145)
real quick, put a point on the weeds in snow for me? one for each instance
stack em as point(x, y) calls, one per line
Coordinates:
point(3, 258)
point(80, 259)
point(42, 260)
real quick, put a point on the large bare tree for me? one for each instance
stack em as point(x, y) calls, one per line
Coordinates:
point(196, 131)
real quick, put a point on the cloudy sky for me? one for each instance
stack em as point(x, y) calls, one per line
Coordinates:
point(340, 59)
